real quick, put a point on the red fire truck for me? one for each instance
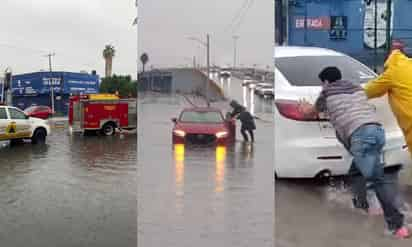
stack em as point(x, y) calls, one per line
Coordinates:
point(101, 112)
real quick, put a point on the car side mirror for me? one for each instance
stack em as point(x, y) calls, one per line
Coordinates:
point(174, 120)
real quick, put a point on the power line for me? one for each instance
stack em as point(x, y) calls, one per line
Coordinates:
point(241, 18)
point(23, 48)
point(237, 15)
point(36, 52)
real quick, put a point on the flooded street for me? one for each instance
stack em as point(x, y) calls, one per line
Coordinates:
point(202, 196)
point(73, 191)
point(310, 214)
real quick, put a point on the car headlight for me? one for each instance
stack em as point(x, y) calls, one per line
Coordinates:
point(221, 134)
point(180, 133)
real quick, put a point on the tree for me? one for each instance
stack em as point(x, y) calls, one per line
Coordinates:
point(108, 54)
point(122, 84)
point(144, 58)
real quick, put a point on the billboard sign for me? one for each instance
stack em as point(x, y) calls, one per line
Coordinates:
point(77, 83)
point(39, 83)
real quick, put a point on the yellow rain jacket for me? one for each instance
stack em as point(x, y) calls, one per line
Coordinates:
point(396, 82)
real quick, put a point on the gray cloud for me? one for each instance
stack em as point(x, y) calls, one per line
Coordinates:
point(76, 30)
point(165, 25)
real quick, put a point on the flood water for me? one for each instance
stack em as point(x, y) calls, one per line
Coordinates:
point(202, 196)
point(73, 191)
point(313, 214)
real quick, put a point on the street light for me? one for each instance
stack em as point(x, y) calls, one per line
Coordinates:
point(235, 38)
point(207, 45)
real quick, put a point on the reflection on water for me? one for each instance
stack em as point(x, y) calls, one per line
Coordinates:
point(179, 160)
point(220, 168)
point(204, 195)
point(179, 155)
point(86, 182)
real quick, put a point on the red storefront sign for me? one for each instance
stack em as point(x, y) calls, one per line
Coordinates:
point(313, 22)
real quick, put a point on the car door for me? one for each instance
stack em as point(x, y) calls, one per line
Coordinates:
point(3, 123)
point(19, 124)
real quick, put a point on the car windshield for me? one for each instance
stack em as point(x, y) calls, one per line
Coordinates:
point(304, 71)
point(201, 117)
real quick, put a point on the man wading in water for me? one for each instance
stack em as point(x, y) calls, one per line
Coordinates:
point(358, 129)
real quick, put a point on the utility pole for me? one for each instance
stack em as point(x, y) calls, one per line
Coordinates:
point(388, 25)
point(208, 67)
point(50, 55)
point(235, 38)
point(194, 62)
point(207, 45)
point(136, 22)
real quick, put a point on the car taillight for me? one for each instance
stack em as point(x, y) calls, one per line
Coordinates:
point(290, 109)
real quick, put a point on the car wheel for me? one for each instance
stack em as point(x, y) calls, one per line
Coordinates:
point(108, 129)
point(39, 136)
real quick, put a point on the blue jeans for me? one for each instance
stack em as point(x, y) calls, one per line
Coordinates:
point(366, 146)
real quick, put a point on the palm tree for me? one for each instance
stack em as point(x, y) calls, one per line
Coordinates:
point(108, 54)
point(144, 58)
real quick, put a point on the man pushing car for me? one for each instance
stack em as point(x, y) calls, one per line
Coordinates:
point(359, 130)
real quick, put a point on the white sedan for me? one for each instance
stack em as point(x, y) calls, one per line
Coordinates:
point(307, 147)
point(16, 126)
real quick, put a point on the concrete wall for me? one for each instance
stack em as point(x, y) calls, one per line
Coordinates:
point(183, 80)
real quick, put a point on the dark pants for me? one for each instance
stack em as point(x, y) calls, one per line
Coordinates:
point(244, 134)
point(366, 147)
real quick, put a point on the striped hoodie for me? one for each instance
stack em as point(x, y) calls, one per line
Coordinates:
point(347, 107)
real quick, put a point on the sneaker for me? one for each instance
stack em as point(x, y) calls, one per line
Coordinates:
point(402, 233)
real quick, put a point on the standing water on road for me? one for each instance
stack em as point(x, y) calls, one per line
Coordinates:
point(201, 196)
point(73, 191)
point(301, 205)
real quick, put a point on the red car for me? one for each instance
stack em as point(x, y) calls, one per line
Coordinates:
point(38, 111)
point(203, 125)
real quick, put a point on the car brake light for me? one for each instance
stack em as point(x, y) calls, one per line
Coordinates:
point(290, 109)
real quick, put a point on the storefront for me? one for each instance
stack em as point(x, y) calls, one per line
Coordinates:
point(37, 88)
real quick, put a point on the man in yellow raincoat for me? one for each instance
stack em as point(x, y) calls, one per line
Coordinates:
point(396, 82)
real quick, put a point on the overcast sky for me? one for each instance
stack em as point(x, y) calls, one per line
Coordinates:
point(76, 30)
point(165, 26)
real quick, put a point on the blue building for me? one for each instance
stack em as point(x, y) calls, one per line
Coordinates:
point(35, 88)
point(347, 26)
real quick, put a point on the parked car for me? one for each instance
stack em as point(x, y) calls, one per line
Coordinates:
point(264, 89)
point(203, 125)
point(305, 146)
point(225, 73)
point(43, 112)
point(16, 126)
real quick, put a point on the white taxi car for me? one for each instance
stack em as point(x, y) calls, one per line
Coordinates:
point(16, 126)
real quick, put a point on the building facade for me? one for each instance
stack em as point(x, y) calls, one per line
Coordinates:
point(37, 88)
point(348, 26)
